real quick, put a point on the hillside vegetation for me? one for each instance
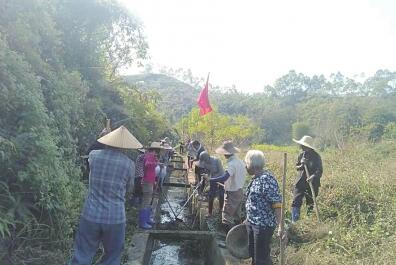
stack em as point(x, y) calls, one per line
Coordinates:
point(59, 80)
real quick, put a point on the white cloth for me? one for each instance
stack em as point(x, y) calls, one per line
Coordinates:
point(237, 170)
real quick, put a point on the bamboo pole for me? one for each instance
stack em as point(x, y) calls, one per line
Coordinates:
point(283, 209)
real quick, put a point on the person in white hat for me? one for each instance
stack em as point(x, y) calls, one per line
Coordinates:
point(234, 179)
point(103, 216)
point(312, 160)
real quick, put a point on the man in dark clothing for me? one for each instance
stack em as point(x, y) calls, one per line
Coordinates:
point(312, 160)
point(215, 169)
point(197, 149)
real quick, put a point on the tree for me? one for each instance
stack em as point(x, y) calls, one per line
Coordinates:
point(214, 128)
point(300, 129)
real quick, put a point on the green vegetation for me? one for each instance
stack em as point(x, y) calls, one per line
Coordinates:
point(59, 81)
point(215, 127)
point(357, 205)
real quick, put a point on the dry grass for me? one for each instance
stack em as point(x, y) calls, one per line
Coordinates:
point(357, 203)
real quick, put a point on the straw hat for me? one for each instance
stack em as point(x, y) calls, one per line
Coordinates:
point(120, 138)
point(155, 145)
point(237, 241)
point(227, 148)
point(306, 140)
point(166, 146)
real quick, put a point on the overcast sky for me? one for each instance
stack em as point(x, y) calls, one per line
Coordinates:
point(251, 43)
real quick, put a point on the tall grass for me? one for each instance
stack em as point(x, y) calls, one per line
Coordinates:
point(357, 202)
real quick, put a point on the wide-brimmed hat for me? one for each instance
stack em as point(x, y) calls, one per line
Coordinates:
point(306, 140)
point(227, 148)
point(155, 145)
point(120, 138)
point(237, 241)
point(166, 146)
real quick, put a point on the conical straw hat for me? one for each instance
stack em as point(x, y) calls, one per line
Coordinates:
point(120, 138)
point(306, 140)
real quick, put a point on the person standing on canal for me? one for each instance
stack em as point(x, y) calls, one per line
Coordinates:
point(215, 169)
point(234, 179)
point(103, 216)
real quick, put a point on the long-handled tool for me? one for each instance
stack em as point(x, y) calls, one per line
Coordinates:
point(313, 192)
point(189, 198)
point(283, 209)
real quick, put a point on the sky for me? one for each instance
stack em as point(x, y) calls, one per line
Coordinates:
point(251, 43)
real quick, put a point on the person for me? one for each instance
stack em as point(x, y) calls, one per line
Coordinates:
point(103, 216)
point(163, 170)
point(190, 155)
point(310, 158)
point(139, 173)
point(197, 149)
point(181, 147)
point(234, 179)
point(215, 169)
point(149, 178)
point(263, 208)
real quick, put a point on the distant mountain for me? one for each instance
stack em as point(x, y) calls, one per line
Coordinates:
point(178, 98)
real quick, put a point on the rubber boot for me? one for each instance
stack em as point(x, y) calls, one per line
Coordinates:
point(150, 219)
point(295, 214)
point(143, 217)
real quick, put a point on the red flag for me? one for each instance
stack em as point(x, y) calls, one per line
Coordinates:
point(203, 100)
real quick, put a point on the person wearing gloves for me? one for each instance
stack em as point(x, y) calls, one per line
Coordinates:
point(234, 179)
point(312, 160)
point(263, 208)
point(215, 169)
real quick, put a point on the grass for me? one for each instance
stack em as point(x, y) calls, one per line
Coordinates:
point(357, 203)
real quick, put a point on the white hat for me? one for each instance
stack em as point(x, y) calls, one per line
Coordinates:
point(166, 146)
point(155, 145)
point(227, 148)
point(306, 140)
point(120, 138)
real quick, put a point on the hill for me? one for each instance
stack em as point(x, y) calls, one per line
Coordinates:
point(176, 98)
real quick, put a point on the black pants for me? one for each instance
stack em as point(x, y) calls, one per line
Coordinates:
point(215, 191)
point(259, 244)
point(302, 190)
point(199, 171)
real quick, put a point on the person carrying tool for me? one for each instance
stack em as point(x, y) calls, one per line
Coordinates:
point(215, 169)
point(197, 149)
point(150, 163)
point(311, 159)
point(234, 179)
point(263, 208)
point(103, 217)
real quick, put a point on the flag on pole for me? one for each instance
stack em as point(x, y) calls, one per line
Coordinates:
point(203, 100)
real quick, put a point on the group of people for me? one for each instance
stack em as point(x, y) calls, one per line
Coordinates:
point(263, 199)
point(113, 177)
point(112, 173)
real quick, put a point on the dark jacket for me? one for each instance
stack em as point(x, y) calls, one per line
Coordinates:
point(314, 165)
